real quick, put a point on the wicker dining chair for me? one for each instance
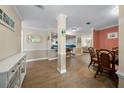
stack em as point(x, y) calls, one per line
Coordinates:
point(106, 63)
point(93, 56)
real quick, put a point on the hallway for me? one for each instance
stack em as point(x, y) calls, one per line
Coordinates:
point(43, 74)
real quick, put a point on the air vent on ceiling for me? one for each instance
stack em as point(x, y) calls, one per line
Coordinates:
point(88, 23)
point(40, 6)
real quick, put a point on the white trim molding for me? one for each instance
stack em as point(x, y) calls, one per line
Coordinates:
point(53, 58)
point(35, 50)
point(120, 74)
point(36, 59)
point(45, 58)
point(103, 28)
point(92, 34)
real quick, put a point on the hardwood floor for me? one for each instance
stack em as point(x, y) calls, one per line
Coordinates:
point(43, 74)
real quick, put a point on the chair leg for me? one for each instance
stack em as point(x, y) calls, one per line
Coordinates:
point(97, 72)
point(90, 64)
point(115, 79)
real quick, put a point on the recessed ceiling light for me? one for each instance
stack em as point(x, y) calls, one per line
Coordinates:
point(74, 29)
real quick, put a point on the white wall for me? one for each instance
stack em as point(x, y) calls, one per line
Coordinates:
point(42, 45)
point(38, 50)
point(85, 39)
point(10, 41)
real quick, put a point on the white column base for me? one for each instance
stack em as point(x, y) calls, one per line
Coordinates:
point(61, 71)
point(121, 79)
point(61, 66)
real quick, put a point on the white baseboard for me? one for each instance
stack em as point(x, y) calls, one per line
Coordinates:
point(61, 71)
point(68, 56)
point(78, 54)
point(36, 59)
point(56, 58)
point(52, 58)
point(120, 74)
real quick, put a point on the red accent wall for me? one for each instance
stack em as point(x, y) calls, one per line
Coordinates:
point(100, 38)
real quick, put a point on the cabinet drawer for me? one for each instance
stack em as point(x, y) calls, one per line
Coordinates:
point(11, 73)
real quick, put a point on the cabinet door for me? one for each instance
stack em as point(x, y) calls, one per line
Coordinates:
point(15, 80)
point(23, 71)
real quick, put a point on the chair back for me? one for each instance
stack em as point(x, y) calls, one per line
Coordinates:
point(106, 59)
point(92, 52)
point(115, 49)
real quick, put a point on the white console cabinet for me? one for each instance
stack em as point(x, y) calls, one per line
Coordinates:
point(13, 71)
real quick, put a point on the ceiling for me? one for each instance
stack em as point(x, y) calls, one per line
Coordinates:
point(99, 16)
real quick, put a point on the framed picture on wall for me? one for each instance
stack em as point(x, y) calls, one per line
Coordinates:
point(112, 35)
point(34, 38)
point(6, 20)
point(1, 12)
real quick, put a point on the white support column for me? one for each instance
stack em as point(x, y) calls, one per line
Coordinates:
point(49, 40)
point(78, 44)
point(49, 44)
point(120, 71)
point(92, 32)
point(61, 23)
